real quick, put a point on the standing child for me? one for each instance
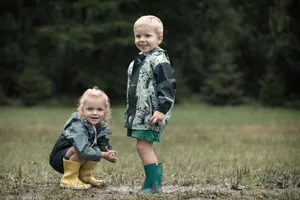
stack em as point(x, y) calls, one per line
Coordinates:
point(150, 97)
point(83, 142)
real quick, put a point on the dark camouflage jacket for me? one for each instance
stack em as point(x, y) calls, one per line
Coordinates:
point(150, 87)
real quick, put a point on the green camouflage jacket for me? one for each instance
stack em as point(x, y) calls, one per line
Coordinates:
point(150, 87)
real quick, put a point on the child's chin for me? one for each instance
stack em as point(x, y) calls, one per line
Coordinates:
point(94, 122)
point(144, 49)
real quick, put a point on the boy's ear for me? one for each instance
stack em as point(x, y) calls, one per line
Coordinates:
point(160, 39)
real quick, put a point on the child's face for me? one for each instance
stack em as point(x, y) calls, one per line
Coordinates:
point(94, 110)
point(146, 38)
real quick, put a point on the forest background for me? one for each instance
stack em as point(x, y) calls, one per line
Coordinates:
point(224, 52)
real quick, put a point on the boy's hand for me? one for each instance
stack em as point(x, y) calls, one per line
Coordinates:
point(157, 117)
point(110, 155)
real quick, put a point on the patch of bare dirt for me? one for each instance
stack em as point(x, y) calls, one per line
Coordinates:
point(169, 192)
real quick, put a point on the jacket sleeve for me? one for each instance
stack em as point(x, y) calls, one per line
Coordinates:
point(78, 136)
point(108, 145)
point(166, 85)
point(102, 140)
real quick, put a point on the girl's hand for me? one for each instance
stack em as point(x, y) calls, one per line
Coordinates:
point(113, 151)
point(111, 155)
point(157, 117)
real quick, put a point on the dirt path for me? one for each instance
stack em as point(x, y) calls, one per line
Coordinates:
point(169, 192)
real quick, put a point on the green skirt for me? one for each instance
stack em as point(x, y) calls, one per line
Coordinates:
point(144, 134)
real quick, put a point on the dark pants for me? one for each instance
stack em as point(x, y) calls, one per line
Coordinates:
point(57, 161)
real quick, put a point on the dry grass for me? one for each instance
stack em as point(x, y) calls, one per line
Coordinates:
point(203, 158)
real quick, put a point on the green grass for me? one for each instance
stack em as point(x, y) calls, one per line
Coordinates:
point(214, 148)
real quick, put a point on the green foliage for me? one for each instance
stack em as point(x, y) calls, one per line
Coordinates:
point(90, 38)
point(34, 86)
point(223, 85)
point(1, 95)
point(210, 43)
point(272, 92)
point(222, 82)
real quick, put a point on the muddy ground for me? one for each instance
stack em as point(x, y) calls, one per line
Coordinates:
point(169, 192)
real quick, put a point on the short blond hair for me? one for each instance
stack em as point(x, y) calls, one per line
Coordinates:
point(94, 92)
point(150, 21)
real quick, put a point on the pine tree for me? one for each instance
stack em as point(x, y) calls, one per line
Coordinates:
point(222, 78)
point(223, 82)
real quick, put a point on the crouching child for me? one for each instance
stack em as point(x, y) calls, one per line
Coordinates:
point(84, 142)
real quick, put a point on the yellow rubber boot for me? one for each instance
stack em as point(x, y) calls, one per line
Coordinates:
point(70, 178)
point(86, 176)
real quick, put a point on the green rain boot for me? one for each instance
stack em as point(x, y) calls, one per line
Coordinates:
point(153, 179)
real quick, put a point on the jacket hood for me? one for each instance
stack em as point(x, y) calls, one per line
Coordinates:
point(72, 118)
point(102, 130)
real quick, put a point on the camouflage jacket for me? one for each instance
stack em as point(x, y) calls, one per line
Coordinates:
point(150, 87)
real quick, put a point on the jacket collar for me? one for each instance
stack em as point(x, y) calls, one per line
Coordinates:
point(155, 49)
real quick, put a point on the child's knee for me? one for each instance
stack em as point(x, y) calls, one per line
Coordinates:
point(142, 149)
point(73, 155)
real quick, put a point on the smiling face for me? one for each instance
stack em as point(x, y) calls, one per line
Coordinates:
point(94, 110)
point(146, 38)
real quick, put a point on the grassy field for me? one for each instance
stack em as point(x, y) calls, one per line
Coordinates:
point(208, 152)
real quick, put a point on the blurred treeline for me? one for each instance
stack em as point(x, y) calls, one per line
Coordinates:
point(223, 51)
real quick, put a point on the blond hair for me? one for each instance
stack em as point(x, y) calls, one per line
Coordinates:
point(94, 92)
point(150, 21)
